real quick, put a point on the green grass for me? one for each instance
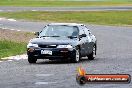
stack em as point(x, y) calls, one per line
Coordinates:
point(8, 48)
point(13, 42)
point(94, 17)
point(49, 3)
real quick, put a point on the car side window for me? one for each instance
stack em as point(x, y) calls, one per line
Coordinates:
point(81, 30)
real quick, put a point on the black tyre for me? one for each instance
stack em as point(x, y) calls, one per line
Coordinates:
point(31, 59)
point(76, 57)
point(93, 54)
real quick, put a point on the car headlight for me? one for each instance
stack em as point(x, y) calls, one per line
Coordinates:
point(32, 45)
point(64, 46)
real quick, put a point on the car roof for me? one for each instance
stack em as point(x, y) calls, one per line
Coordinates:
point(67, 24)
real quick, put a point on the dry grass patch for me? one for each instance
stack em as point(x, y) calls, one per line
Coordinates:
point(13, 42)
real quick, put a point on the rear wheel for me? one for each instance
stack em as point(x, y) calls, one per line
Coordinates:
point(93, 54)
point(31, 59)
point(76, 57)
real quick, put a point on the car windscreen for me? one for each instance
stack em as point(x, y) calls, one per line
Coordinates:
point(59, 30)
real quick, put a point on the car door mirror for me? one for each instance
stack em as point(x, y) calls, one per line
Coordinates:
point(83, 35)
point(36, 33)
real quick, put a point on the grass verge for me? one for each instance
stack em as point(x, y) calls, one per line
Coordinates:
point(13, 42)
point(9, 48)
point(94, 17)
point(52, 3)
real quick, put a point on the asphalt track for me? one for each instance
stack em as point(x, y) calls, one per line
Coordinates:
point(114, 55)
point(91, 8)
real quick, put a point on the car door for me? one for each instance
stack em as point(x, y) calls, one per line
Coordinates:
point(82, 42)
point(89, 43)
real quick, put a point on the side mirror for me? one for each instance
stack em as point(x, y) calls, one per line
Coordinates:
point(83, 35)
point(36, 33)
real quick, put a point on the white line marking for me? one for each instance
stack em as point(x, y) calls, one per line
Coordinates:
point(41, 83)
point(11, 19)
point(9, 60)
point(33, 32)
point(44, 74)
point(2, 18)
point(1, 61)
point(4, 28)
point(18, 30)
point(12, 29)
point(9, 10)
point(33, 10)
point(4, 58)
point(17, 57)
point(1, 10)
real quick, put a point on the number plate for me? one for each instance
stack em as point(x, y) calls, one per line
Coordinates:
point(46, 52)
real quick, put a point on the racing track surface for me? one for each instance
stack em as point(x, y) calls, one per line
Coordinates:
point(91, 8)
point(114, 55)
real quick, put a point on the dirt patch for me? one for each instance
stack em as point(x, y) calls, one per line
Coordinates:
point(17, 36)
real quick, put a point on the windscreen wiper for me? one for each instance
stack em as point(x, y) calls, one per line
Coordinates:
point(71, 37)
point(54, 36)
point(49, 36)
point(43, 36)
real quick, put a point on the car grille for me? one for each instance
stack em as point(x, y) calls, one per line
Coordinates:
point(47, 46)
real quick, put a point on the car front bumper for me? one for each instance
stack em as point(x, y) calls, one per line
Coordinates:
point(57, 53)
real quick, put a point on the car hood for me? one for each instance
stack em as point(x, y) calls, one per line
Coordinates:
point(54, 41)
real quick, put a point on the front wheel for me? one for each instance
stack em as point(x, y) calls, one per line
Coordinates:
point(76, 57)
point(93, 54)
point(31, 59)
